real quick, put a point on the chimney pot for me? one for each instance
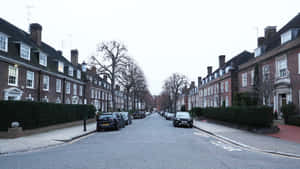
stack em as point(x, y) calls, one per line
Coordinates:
point(209, 70)
point(270, 31)
point(36, 33)
point(59, 52)
point(199, 81)
point(74, 57)
point(221, 60)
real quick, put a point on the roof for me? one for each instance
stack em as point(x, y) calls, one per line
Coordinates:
point(16, 35)
point(237, 60)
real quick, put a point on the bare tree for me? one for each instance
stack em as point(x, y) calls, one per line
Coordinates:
point(110, 60)
point(132, 78)
point(173, 85)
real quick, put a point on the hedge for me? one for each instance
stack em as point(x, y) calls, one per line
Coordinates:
point(293, 120)
point(32, 115)
point(260, 116)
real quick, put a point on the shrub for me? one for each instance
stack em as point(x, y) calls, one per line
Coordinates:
point(247, 115)
point(288, 110)
point(196, 111)
point(293, 120)
point(32, 115)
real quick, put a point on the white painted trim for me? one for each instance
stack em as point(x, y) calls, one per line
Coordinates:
point(13, 61)
point(32, 86)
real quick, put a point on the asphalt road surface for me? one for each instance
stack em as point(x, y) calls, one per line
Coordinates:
point(150, 143)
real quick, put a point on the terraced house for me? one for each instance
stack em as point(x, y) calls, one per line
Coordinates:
point(32, 70)
point(276, 66)
point(218, 87)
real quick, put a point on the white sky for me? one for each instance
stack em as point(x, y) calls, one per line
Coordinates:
point(164, 36)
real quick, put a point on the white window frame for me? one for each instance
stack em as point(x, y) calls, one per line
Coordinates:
point(46, 80)
point(24, 51)
point(60, 66)
point(74, 89)
point(226, 86)
point(68, 88)
point(244, 79)
point(32, 79)
point(252, 77)
point(266, 72)
point(226, 101)
point(43, 59)
point(78, 74)
point(70, 71)
point(298, 63)
point(281, 64)
point(3, 42)
point(58, 85)
point(80, 90)
point(13, 68)
point(286, 36)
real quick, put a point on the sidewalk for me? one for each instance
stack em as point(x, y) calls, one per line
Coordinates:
point(258, 141)
point(51, 138)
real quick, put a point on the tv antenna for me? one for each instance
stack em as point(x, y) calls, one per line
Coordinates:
point(29, 15)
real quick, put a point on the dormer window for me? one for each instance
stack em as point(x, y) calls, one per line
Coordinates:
point(24, 51)
point(60, 66)
point(216, 75)
point(78, 74)
point(3, 42)
point(221, 72)
point(227, 69)
point(286, 36)
point(257, 52)
point(43, 59)
point(70, 71)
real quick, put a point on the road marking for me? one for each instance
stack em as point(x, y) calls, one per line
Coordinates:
point(201, 134)
point(225, 146)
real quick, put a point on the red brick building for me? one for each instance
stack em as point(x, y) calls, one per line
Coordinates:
point(32, 70)
point(276, 65)
point(218, 87)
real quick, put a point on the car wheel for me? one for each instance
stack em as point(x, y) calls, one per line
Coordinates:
point(117, 127)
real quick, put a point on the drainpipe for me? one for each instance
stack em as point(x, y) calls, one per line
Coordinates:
point(63, 90)
point(39, 86)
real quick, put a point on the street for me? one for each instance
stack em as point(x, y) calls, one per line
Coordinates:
point(150, 143)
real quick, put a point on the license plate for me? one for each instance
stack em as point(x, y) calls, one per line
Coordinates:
point(184, 122)
point(105, 124)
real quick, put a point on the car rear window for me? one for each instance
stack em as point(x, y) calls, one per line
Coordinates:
point(105, 116)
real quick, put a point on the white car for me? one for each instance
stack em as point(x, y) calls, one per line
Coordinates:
point(169, 116)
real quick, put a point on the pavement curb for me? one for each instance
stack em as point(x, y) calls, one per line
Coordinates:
point(48, 146)
point(247, 146)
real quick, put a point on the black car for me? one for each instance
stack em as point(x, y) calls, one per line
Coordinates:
point(120, 118)
point(138, 115)
point(107, 121)
point(183, 119)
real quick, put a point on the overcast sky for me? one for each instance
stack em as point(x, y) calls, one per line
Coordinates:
point(164, 36)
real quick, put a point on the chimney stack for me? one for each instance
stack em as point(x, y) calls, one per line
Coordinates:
point(36, 33)
point(209, 70)
point(221, 60)
point(193, 84)
point(74, 57)
point(59, 52)
point(260, 41)
point(94, 70)
point(270, 31)
point(199, 81)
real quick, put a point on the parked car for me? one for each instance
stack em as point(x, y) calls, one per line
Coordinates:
point(183, 119)
point(169, 116)
point(121, 119)
point(107, 121)
point(127, 117)
point(139, 115)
